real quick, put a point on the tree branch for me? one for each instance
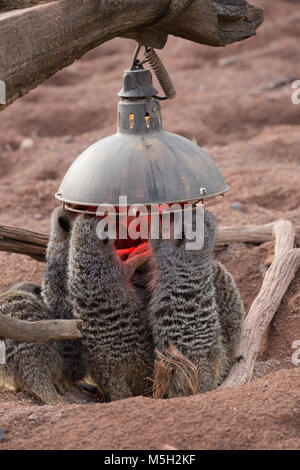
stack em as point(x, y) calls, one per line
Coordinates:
point(25, 242)
point(275, 284)
point(6, 5)
point(43, 331)
point(38, 41)
point(255, 234)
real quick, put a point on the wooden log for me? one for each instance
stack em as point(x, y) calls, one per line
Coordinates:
point(43, 331)
point(283, 244)
point(16, 240)
point(255, 234)
point(33, 244)
point(284, 237)
point(275, 284)
point(36, 42)
point(6, 5)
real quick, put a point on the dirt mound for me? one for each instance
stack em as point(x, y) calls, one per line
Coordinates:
point(236, 102)
point(261, 415)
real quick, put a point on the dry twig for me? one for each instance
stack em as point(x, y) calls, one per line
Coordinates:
point(169, 363)
point(43, 331)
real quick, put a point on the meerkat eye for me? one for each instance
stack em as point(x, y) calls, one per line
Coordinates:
point(64, 223)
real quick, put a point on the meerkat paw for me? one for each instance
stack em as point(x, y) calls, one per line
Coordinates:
point(117, 389)
point(46, 392)
point(39, 382)
point(178, 385)
point(114, 388)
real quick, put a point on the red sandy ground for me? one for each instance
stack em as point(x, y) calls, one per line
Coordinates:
point(252, 132)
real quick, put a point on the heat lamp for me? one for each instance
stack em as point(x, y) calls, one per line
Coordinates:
point(142, 161)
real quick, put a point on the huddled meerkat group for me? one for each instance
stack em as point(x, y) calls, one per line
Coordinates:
point(161, 295)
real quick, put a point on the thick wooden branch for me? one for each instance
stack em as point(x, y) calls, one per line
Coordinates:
point(38, 41)
point(38, 331)
point(255, 234)
point(33, 244)
point(275, 284)
point(284, 237)
point(6, 5)
point(25, 242)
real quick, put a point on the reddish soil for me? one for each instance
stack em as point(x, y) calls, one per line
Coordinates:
point(243, 114)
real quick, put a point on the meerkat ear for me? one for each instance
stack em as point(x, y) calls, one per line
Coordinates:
point(64, 223)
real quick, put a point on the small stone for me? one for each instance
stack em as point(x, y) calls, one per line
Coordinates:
point(60, 414)
point(37, 216)
point(238, 206)
point(34, 417)
point(8, 148)
point(68, 138)
point(2, 435)
point(226, 61)
point(26, 144)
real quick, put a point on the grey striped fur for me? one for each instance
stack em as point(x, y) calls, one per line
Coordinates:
point(55, 288)
point(183, 309)
point(230, 308)
point(142, 276)
point(117, 355)
point(35, 368)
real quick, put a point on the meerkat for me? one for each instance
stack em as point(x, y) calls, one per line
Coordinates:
point(54, 283)
point(229, 303)
point(118, 358)
point(35, 368)
point(230, 308)
point(183, 309)
point(55, 288)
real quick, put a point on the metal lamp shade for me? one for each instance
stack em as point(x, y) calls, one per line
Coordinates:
point(141, 161)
